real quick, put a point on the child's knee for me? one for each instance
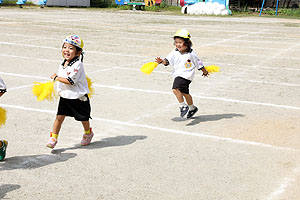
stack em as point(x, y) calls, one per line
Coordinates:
point(176, 91)
point(60, 118)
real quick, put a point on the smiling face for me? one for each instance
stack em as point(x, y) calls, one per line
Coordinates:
point(180, 45)
point(69, 51)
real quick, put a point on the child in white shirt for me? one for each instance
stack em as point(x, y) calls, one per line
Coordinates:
point(184, 61)
point(3, 143)
point(73, 90)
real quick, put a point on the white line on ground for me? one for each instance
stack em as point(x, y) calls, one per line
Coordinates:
point(284, 184)
point(125, 67)
point(156, 41)
point(139, 56)
point(25, 76)
point(95, 52)
point(87, 64)
point(201, 135)
point(24, 86)
point(201, 97)
point(272, 83)
point(117, 30)
point(169, 93)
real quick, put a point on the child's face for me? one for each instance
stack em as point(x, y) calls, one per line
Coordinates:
point(69, 51)
point(179, 44)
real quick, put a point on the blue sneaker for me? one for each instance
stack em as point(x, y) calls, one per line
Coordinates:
point(183, 110)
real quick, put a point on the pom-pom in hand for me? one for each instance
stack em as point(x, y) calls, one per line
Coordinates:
point(44, 91)
point(149, 67)
point(2, 116)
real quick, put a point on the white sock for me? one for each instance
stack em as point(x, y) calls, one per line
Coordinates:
point(182, 104)
point(192, 107)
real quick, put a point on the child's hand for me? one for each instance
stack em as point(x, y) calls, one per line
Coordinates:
point(205, 72)
point(158, 60)
point(53, 76)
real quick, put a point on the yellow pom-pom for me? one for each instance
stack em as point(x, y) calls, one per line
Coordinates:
point(212, 68)
point(44, 91)
point(90, 83)
point(2, 116)
point(149, 67)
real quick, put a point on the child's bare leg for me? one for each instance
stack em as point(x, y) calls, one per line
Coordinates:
point(86, 125)
point(183, 107)
point(189, 99)
point(178, 95)
point(57, 123)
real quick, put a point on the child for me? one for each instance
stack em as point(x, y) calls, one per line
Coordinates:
point(184, 61)
point(73, 90)
point(3, 143)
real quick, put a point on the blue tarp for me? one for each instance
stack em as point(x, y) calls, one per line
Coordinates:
point(21, 2)
point(119, 2)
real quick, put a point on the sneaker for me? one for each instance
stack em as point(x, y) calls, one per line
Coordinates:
point(192, 112)
point(3, 149)
point(87, 138)
point(52, 142)
point(183, 110)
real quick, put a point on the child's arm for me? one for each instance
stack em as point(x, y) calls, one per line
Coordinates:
point(60, 79)
point(159, 60)
point(204, 71)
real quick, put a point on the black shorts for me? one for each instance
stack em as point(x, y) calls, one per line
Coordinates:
point(80, 110)
point(182, 84)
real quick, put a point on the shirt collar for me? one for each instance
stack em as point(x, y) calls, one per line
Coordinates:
point(75, 59)
point(190, 51)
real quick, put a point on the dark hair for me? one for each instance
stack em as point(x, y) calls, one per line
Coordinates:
point(80, 49)
point(187, 42)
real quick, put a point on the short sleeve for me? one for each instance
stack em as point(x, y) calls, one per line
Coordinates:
point(197, 61)
point(2, 86)
point(170, 57)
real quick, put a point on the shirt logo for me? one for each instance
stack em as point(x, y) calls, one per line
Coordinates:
point(188, 64)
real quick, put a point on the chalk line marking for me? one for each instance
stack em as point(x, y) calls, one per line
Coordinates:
point(95, 52)
point(24, 76)
point(148, 60)
point(125, 67)
point(284, 185)
point(165, 41)
point(20, 87)
point(169, 93)
point(87, 64)
point(201, 135)
point(141, 56)
point(200, 97)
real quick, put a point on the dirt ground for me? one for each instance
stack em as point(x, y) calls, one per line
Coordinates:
point(243, 144)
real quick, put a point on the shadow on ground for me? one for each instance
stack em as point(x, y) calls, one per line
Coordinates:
point(6, 188)
point(206, 118)
point(33, 161)
point(106, 142)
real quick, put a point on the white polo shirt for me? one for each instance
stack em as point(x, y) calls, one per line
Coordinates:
point(184, 65)
point(2, 86)
point(75, 74)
